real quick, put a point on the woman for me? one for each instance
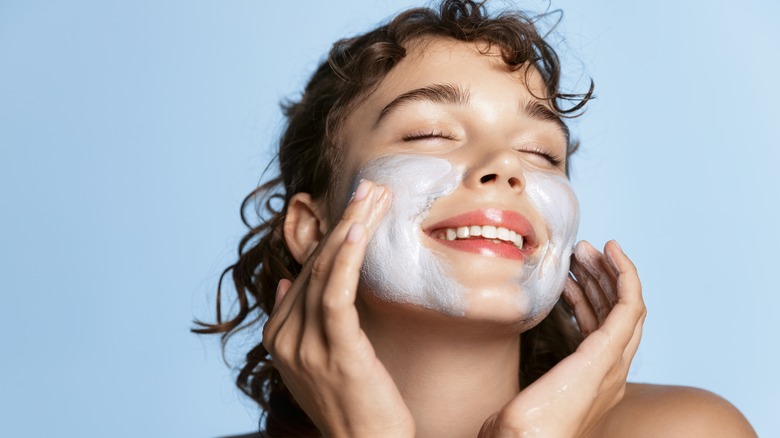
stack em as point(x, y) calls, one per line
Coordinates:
point(418, 279)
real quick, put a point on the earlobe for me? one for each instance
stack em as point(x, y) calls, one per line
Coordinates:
point(302, 226)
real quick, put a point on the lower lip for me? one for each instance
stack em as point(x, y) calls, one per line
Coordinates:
point(484, 247)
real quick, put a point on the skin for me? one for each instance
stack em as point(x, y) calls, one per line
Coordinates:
point(406, 262)
point(364, 367)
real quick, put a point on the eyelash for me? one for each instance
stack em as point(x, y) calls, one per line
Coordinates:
point(555, 160)
point(422, 135)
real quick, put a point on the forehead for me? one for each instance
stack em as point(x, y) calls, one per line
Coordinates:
point(475, 67)
point(443, 58)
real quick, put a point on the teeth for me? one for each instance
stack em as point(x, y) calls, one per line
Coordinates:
point(451, 234)
point(490, 232)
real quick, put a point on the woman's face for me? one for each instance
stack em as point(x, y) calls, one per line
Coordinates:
point(483, 218)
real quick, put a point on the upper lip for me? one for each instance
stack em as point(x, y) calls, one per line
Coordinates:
point(508, 219)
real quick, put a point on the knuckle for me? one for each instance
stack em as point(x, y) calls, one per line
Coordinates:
point(281, 348)
point(341, 264)
point(346, 368)
point(268, 346)
point(511, 422)
point(270, 339)
point(307, 359)
point(343, 259)
point(278, 350)
point(266, 331)
point(619, 394)
point(332, 302)
point(640, 311)
point(349, 212)
point(320, 268)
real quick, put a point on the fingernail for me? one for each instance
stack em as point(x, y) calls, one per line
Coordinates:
point(361, 191)
point(618, 245)
point(355, 232)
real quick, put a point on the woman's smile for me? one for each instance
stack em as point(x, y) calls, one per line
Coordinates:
point(489, 232)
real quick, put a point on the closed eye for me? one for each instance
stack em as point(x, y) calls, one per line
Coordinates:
point(424, 135)
point(553, 159)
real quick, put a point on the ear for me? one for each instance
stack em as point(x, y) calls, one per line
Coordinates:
point(303, 226)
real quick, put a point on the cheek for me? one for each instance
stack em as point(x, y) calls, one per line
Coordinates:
point(553, 198)
point(556, 203)
point(397, 267)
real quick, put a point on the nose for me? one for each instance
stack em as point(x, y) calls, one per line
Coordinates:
point(497, 169)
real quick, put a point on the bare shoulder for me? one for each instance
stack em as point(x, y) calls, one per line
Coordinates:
point(673, 411)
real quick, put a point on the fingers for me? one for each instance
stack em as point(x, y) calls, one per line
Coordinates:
point(591, 289)
point(596, 265)
point(282, 305)
point(630, 293)
point(325, 289)
point(627, 277)
point(606, 298)
point(597, 285)
point(623, 326)
point(583, 311)
point(335, 272)
point(340, 317)
point(633, 343)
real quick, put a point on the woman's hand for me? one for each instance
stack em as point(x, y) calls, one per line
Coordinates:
point(573, 397)
point(315, 339)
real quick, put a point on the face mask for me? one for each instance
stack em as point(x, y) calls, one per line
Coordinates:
point(399, 268)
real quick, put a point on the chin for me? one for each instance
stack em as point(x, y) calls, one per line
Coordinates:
point(510, 306)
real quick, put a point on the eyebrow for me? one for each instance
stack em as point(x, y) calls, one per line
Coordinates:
point(534, 109)
point(454, 95)
point(436, 93)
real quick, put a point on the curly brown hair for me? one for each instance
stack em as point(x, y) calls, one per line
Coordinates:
point(308, 158)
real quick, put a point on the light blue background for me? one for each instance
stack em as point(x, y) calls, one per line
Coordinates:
point(130, 131)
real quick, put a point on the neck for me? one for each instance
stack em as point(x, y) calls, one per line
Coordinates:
point(451, 373)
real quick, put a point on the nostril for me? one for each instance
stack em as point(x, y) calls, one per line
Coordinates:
point(488, 178)
point(514, 182)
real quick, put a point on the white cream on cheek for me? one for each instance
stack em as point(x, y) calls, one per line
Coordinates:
point(399, 268)
point(543, 278)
